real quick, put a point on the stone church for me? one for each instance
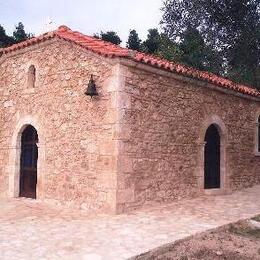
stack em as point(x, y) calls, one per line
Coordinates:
point(93, 125)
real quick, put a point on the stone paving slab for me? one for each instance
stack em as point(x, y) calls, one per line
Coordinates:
point(31, 229)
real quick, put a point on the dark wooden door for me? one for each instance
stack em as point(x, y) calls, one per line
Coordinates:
point(212, 158)
point(28, 163)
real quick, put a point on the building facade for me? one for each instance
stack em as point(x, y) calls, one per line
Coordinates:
point(156, 132)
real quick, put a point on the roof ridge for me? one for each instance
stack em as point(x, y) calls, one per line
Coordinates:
point(91, 43)
point(64, 28)
point(111, 50)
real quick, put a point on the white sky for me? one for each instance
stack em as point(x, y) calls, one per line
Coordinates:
point(87, 16)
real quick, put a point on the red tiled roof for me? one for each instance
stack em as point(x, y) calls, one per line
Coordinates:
point(110, 50)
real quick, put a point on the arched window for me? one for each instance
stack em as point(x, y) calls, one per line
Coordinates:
point(258, 135)
point(31, 76)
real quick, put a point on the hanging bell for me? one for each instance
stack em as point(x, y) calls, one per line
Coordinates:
point(91, 89)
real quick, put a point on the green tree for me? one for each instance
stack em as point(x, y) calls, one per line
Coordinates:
point(152, 43)
point(229, 27)
point(5, 40)
point(196, 53)
point(134, 42)
point(169, 49)
point(109, 36)
point(244, 57)
point(19, 34)
point(193, 48)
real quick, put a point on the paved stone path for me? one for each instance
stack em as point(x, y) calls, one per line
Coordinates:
point(33, 230)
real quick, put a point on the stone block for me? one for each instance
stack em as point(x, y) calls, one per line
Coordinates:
point(125, 196)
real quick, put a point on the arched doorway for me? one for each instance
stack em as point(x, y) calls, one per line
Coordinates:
point(28, 162)
point(212, 158)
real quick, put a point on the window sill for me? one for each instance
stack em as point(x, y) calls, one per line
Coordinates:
point(257, 154)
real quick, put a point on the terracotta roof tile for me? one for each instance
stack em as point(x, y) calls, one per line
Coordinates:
point(110, 50)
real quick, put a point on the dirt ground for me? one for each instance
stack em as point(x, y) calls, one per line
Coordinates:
point(239, 241)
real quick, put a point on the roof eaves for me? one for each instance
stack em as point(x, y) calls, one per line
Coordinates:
point(203, 76)
point(196, 74)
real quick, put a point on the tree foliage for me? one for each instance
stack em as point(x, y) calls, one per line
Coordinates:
point(18, 35)
point(133, 42)
point(190, 49)
point(193, 48)
point(152, 43)
point(196, 53)
point(168, 49)
point(5, 40)
point(109, 36)
point(230, 30)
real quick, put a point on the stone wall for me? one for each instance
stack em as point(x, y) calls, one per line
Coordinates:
point(77, 147)
point(165, 121)
point(141, 140)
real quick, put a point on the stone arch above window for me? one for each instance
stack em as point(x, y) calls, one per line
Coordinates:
point(31, 76)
